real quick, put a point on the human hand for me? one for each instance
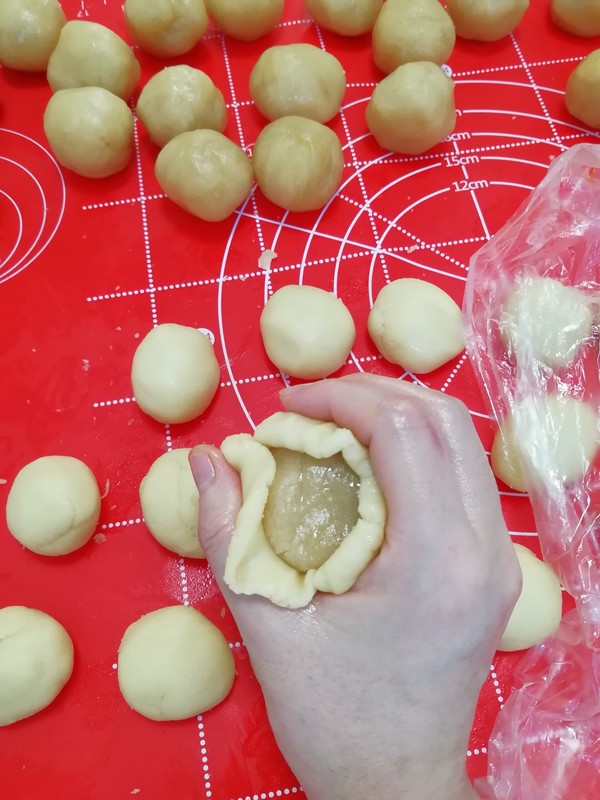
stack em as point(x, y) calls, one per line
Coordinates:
point(371, 694)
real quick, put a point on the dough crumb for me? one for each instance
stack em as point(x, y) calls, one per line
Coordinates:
point(265, 259)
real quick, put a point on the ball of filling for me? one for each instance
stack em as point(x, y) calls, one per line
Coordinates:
point(205, 173)
point(412, 30)
point(166, 28)
point(346, 17)
point(36, 661)
point(174, 664)
point(169, 500)
point(245, 19)
point(90, 131)
point(53, 505)
point(581, 17)
point(538, 611)
point(582, 95)
point(175, 373)
point(179, 99)
point(29, 31)
point(412, 109)
point(88, 54)
point(486, 20)
point(545, 320)
point(298, 163)
point(298, 79)
point(505, 458)
point(307, 332)
point(416, 324)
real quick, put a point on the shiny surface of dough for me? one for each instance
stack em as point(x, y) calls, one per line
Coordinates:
point(486, 20)
point(412, 30)
point(298, 163)
point(88, 54)
point(179, 99)
point(506, 460)
point(36, 661)
point(346, 17)
point(582, 95)
point(166, 28)
point(29, 31)
point(90, 131)
point(245, 19)
point(297, 79)
point(580, 17)
point(412, 109)
point(312, 506)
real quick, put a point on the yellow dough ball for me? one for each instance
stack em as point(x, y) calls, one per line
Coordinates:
point(205, 173)
point(412, 30)
point(29, 31)
point(486, 20)
point(298, 163)
point(166, 28)
point(179, 99)
point(346, 17)
point(90, 131)
point(245, 19)
point(580, 17)
point(505, 458)
point(88, 54)
point(412, 109)
point(582, 95)
point(298, 79)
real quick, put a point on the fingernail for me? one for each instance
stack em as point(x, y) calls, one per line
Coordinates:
point(202, 469)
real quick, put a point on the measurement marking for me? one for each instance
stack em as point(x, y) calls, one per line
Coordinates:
point(535, 88)
point(516, 161)
point(454, 372)
point(469, 186)
point(146, 237)
point(460, 161)
point(119, 402)
point(545, 63)
point(511, 183)
point(123, 523)
point(458, 137)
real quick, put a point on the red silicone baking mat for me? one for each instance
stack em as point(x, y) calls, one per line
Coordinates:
point(88, 267)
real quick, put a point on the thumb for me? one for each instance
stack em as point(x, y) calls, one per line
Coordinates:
point(220, 501)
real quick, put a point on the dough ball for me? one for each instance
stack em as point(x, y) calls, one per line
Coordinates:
point(506, 460)
point(538, 611)
point(582, 95)
point(307, 332)
point(88, 54)
point(53, 505)
point(245, 19)
point(486, 20)
point(298, 79)
point(174, 664)
point(29, 31)
point(416, 324)
point(412, 30)
point(545, 319)
point(90, 131)
point(412, 109)
point(175, 373)
point(36, 661)
point(179, 99)
point(169, 500)
point(298, 163)
point(346, 17)
point(580, 17)
point(166, 28)
point(205, 173)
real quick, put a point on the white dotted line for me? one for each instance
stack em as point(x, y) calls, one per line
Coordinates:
point(477, 751)
point(184, 582)
point(119, 402)
point(124, 202)
point(454, 372)
point(108, 526)
point(204, 756)
point(115, 295)
point(535, 88)
point(289, 23)
point(487, 70)
point(254, 379)
point(269, 795)
point(146, 236)
point(360, 85)
point(364, 359)
point(235, 645)
point(497, 688)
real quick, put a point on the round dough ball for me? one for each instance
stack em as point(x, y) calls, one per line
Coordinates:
point(90, 131)
point(582, 95)
point(205, 173)
point(416, 324)
point(169, 500)
point(580, 17)
point(346, 17)
point(245, 19)
point(486, 20)
point(29, 31)
point(412, 109)
point(505, 458)
point(166, 28)
point(175, 373)
point(88, 54)
point(307, 332)
point(174, 664)
point(412, 30)
point(298, 163)
point(298, 79)
point(36, 661)
point(545, 319)
point(538, 610)
point(53, 505)
point(179, 99)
